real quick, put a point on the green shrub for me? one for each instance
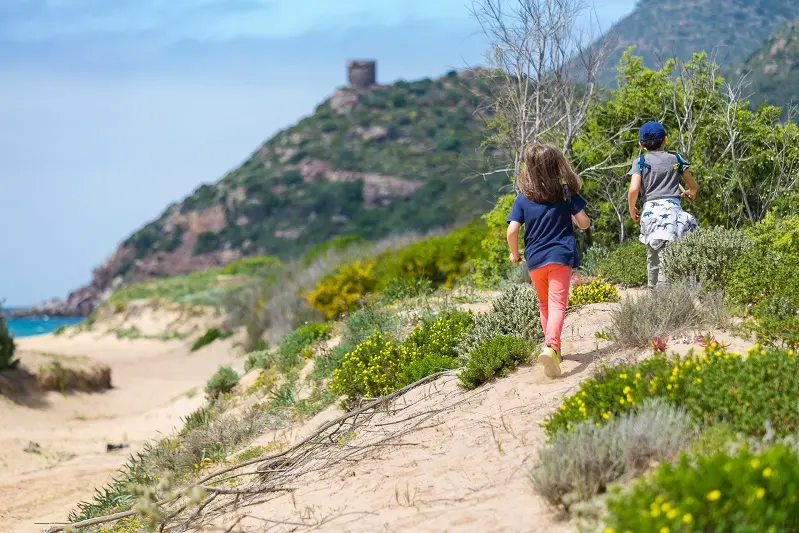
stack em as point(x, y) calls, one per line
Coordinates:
point(379, 365)
point(403, 289)
point(715, 386)
point(582, 463)
point(438, 337)
point(747, 392)
point(614, 390)
point(625, 265)
point(493, 265)
point(197, 419)
point(514, 312)
point(742, 492)
point(592, 258)
point(659, 313)
point(222, 382)
point(769, 268)
point(442, 261)
point(426, 366)
point(260, 359)
point(7, 346)
point(290, 351)
point(208, 337)
point(775, 323)
point(705, 256)
point(370, 370)
point(595, 292)
point(494, 358)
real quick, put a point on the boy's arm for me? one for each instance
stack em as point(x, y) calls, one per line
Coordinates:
point(693, 186)
point(513, 241)
point(632, 197)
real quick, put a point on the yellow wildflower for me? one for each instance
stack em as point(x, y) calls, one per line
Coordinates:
point(687, 518)
point(713, 495)
point(767, 472)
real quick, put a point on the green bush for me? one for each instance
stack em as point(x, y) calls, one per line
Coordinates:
point(379, 365)
point(595, 292)
point(514, 312)
point(625, 265)
point(208, 337)
point(494, 358)
point(775, 323)
point(442, 261)
point(290, 351)
point(260, 359)
point(582, 463)
point(403, 289)
point(592, 258)
point(769, 268)
point(7, 346)
point(747, 392)
point(705, 256)
point(370, 370)
point(715, 386)
point(741, 492)
point(493, 265)
point(222, 382)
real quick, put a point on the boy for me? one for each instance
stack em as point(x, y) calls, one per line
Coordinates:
point(657, 173)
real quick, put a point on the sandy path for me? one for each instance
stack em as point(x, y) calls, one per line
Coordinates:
point(467, 471)
point(155, 384)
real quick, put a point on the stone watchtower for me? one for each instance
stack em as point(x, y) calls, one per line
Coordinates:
point(362, 74)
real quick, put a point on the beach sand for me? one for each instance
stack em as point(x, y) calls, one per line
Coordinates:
point(155, 384)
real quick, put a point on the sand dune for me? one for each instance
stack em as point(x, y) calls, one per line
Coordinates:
point(155, 383)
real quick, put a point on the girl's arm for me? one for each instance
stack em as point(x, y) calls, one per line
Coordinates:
point(693, 186)
point(513, 241)
point(581, 220)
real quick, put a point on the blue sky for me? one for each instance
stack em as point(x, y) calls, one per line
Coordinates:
point(112, 109)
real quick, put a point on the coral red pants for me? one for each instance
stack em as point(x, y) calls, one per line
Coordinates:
point(552, 285)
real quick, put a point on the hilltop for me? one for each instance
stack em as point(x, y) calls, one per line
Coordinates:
point(773, 71)
point(369, 161)
point(660, 29)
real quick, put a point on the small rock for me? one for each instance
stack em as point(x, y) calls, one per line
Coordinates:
point(111, 447)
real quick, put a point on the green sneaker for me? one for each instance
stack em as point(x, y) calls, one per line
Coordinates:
point(550, 359)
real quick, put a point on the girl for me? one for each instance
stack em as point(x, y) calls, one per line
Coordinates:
point(548, 205)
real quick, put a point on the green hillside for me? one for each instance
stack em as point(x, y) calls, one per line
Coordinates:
point(773, 71)
point(375, 162)
point(660, 29)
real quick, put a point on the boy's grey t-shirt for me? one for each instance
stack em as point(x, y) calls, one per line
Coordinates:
point(661, 179)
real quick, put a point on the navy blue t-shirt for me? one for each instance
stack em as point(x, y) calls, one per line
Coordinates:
point(548, 231)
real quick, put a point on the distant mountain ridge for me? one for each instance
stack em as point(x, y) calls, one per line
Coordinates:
point(773, 71)
point(660, 29)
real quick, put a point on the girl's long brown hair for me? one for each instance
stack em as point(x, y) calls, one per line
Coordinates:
point(540, 180)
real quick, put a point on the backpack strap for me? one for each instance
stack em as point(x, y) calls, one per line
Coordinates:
point(642, 164)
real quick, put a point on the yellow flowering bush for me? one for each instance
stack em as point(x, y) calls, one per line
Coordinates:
point(743, 492)
point(714, 385)
point(379, 365)
point(595, 292)
point(340, 292)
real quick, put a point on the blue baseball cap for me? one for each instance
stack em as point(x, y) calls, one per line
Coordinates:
point(652, 131)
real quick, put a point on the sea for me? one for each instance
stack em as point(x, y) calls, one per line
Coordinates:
point(28, 327)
